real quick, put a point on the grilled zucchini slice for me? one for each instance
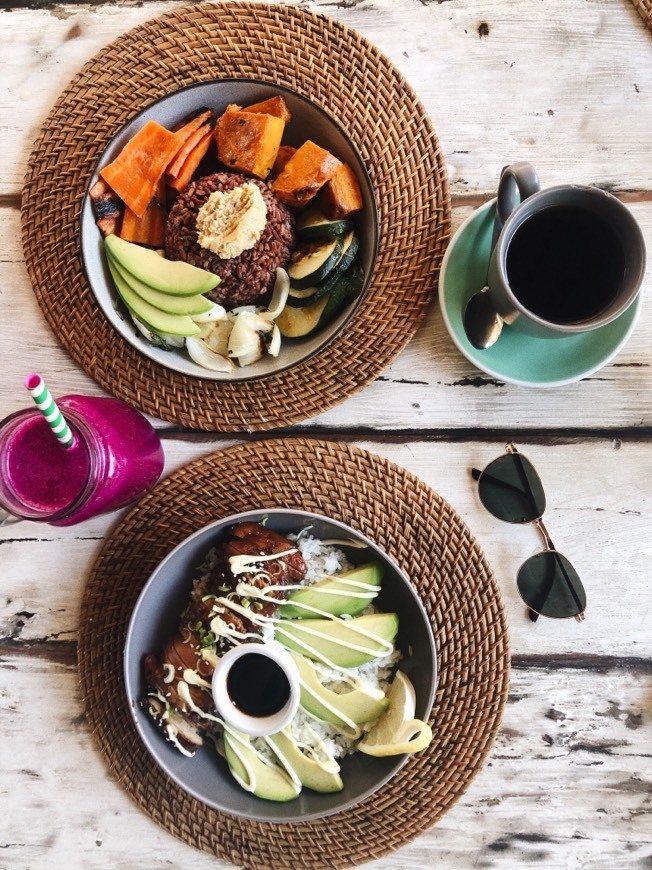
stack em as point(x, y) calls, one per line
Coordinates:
point(313, 261)
point(314, 225)
point(299, 322)
point(306, 296)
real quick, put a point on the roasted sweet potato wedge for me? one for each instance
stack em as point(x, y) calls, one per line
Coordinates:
point(137, 169)
point(248, 142)
point(150, 228)
point(284, 154)
point(341, 196)
point(199, 142)
point(274, 106)
point(305, 173)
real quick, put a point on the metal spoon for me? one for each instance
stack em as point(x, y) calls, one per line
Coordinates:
point(481, 322)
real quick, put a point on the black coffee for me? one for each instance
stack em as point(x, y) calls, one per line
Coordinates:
point(257, 686)
point(565, 264)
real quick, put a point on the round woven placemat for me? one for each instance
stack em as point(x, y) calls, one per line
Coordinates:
point(644, 9)
point(323, 60)
point(429, 541)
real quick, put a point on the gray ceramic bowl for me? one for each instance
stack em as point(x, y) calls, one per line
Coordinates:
point(308, 122)
point(206, 775)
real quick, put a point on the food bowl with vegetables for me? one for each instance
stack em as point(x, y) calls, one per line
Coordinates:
point(229, 230)
point(351, 622)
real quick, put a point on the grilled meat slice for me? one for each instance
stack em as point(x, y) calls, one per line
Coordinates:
point(199, 615)
point(155, 674)
point(176, 727)
point(184, 651)
point(256, 540)
point(251, 539)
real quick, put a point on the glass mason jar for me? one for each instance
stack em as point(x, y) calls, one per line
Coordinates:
point(115, 459)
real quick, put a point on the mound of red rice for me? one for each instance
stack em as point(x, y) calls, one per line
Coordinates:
point(246, 279)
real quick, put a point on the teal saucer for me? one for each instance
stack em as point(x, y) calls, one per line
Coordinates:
point(517, 358)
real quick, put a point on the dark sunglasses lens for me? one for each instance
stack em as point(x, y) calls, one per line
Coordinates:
point(550, 585)
point(510, 489)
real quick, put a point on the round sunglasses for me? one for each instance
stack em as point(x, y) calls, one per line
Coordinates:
point(511, 490)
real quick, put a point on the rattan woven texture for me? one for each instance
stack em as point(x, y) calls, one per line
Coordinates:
point(413, 525)
point(644, 9)
point(317, 57)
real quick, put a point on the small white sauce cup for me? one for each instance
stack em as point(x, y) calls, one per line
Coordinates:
point(256, 726)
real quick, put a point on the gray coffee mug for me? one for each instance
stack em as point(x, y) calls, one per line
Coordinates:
point(565, 260)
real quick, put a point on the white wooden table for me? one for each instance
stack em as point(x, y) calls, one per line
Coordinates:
point(568, 86)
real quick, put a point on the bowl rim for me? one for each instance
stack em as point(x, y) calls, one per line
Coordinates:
point(239, 375)
point(132, 696)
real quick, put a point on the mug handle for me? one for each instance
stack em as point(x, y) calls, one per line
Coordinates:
point(517, 178)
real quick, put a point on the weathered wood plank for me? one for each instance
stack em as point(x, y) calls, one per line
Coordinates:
point(598, 514)
point(476, 69)
point(565, 780)
point(430, 385)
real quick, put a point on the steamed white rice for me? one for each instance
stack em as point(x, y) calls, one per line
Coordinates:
point(322, 560)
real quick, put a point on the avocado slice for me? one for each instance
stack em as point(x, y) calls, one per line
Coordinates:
point(357, 706)
point(312, 773)
point(165, 301)
point(334, 641)
point(322, 595)
point(168, 276)
point(154, 319)
point(270, 782)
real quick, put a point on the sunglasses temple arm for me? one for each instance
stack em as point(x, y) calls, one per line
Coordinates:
point(550, 546)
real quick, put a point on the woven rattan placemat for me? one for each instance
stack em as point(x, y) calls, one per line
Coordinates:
point(428, 540)
point(317, 57)
point(644, 9)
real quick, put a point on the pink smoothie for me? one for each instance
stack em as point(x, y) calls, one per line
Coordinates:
point(52, 477)
point(116, 458)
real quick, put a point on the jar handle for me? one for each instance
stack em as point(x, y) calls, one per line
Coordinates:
point(7, 519)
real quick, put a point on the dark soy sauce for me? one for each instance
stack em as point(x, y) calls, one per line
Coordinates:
point(565, 264)
point(257, 685)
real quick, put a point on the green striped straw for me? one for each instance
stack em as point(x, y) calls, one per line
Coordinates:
point(48, 407)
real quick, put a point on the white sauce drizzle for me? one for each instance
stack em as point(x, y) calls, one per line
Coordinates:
point(328, 706)
point(170, 729)
point(363, 631)
point(242, 564)
point(192, 678)
point(220, 628)
point(250, 784)
point(296, 782)
point(184, 693)
point(328, 762)
point(210, 657)
point(172, 732)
